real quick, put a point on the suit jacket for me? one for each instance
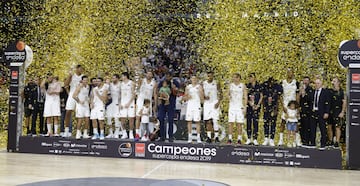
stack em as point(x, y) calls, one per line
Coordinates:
point(324, 101)
point(34, 96)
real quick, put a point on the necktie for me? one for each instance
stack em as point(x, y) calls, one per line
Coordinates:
point(316, 98)
point(39, 94)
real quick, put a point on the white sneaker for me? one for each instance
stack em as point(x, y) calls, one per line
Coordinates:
point(143, 138)
point(109, 136)
point(266, 142)
point(198, 140)
point(78, 135)
point(289, 145)
point(294, 144)
point(116, 134)
point(56, 135)
point(124, 136)
point(189, 140)
point(95, 136)
point(131, 136)
point(255, 142)
point(86, 136)
point(248, 141)
point(272, 144)
point(280, 142)
point(298, 143)
point(101, 137)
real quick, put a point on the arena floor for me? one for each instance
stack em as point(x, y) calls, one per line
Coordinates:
point(34, 169)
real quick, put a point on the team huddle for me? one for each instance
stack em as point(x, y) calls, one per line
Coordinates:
point(122, 101)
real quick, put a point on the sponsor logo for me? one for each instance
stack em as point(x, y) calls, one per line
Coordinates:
point(125, 149)
point(74, 145)
point(265, 154)
point(176, 150)
point(99, 146)
point(140, 149)
point(279, 155)
point(289, 155)
point(355, 78)
point(14, 74)
point(240, 153)
point(44, 144)
point(300, 156)
point(66, 145)
point(57, 144)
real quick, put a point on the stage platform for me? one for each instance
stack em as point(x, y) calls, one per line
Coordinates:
point(182, 151)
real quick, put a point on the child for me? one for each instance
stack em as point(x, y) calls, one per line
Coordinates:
point(291, 122)
point(145, 119)
point(164, 92)
point(155, 134)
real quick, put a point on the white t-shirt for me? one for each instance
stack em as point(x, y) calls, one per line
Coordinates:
point(114, 90)
point(84, 94)
point(126, 92)
point(292, 115)
point(211, 91)
point(75, 80)
point(194, 92)
point(289, 93)
point(98, 103)
point(236, 96)
point(147, 89)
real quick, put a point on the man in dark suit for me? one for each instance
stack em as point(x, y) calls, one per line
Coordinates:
point(320, 113)
point(37, 100)
point(306, 93)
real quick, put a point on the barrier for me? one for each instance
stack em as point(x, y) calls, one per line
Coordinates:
point(179, 151)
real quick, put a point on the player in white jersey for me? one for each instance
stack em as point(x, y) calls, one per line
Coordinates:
point(97, 105)
point(81, 96)
point(112, 110)
point(52, 104)
point(194, 95)
point(212, 98)
point(127, 104)
point(237, 106)
point(290, 93)
point(71, 82)
point(147, 90)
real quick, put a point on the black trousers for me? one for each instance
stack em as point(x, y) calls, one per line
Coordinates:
point(169, 111)
point(305, 121)
point(317, 120)
point(269, 124)
point(252, 123)
point(38, 111)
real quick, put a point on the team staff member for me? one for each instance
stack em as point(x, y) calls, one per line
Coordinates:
point(255, 97)
point(306, 108)
point(320, 114)
point(37, 100)
point(168, 109)
point(337, 112)
point(271, 92)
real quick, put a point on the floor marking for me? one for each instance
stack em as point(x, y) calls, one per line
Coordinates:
point(154, 169)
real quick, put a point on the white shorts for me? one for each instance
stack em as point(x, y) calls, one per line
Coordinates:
point(140, 104)
point(113, 111)
point(82, 111)
point(128, 112)
point(97, 113)
point(70, 103)
point(52, 108)
point(210, 112)
point(193, 114)
point(236, 116)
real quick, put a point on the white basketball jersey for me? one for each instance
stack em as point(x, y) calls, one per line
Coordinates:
point(97, 101)
point(53, 97)
point(115, 92)
point(236, 96)
point(84, 94)
point(194, 92)
point(147, 89)
point(126, 92)
point(211, 91)
point(289, 91)
point(75, 80)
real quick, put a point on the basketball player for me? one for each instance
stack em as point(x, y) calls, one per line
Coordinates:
point(127, 104)
point(71, 82)
point(112, 110)
point(290, 93)
point(97, 105)
point(147, 90)
point(81, 96)
point(194, 94)
point(237, 106)
point(52, 104)
point(212, 98)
